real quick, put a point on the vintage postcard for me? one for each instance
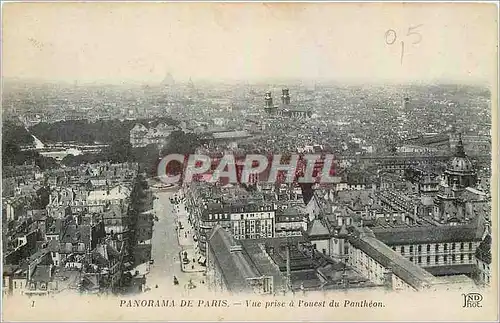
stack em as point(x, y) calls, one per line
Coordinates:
point(205, 161)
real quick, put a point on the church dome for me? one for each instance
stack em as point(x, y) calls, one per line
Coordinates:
point(460, 163)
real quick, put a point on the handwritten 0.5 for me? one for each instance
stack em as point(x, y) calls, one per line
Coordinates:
point(412, 33)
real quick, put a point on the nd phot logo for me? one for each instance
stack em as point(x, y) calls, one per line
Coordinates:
point(472, 300)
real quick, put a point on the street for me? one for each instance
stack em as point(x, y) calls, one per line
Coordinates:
point(166, 251)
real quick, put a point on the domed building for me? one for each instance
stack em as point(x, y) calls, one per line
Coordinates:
point(460, 172)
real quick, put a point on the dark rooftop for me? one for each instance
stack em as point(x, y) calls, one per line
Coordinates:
point(427, 234)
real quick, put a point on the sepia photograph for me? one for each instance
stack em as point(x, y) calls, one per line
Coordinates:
point(265, 161)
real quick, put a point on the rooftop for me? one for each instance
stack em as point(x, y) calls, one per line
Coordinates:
point(235, 266)
point(412, 274)
point(403, 235)
point(231, 134)
point(317, 229)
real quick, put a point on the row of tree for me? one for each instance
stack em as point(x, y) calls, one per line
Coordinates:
point(140, 199)
point(85, 131)
point(15, 135)
point(13, 155)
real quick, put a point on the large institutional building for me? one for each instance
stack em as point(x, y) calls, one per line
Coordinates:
point(141, 136)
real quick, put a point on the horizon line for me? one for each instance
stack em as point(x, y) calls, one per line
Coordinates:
point(248, 81)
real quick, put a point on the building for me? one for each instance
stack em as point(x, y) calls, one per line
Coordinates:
point(14, 280)
point(291, 221)
point(384, 266)
point(460, 172)
point(116, 220)
point(286, 108)
point(244, 221)
point(270, 108)
point(234, 267)
point(442, 250)
point(141, 136)
point(483, 261)
point(229, 138)
point(458, 200)
point(246, 215)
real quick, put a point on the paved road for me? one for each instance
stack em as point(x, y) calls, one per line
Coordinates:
point(165, 250)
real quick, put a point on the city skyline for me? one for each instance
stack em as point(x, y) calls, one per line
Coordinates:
point(297, 159)
point(117, 43)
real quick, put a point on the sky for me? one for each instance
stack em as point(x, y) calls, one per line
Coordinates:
point(142, 42)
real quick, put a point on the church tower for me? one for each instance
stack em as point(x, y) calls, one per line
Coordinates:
point(285, 96)
point(269, 100)
point(269, 107)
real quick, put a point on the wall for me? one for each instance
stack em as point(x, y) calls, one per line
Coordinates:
point(425, 257)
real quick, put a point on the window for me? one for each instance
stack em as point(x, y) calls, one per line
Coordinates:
point(393, 248)
point(445, 258)
point(437, 259)
point(470, 245)
point(419, 259)
point(411, 249)
point(428, 248)
point(402, 250)
point(411, 259)
point(445, 247)
point(470, 257)
point(461, 246)
point(428, 259)
point(453, 246)
point(462, 258)
point(419, 248)
point(436, 247)
point(453, 258)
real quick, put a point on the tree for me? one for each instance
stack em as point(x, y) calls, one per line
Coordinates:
point(42, 199)
point(147, 157)
point(182, 143)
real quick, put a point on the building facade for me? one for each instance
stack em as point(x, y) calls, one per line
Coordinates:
point(141, 136)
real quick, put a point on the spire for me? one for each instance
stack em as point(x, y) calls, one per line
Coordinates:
point(460, 152)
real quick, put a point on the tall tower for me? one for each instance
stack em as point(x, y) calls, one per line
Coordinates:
point(285, 96)
point(269, 100)
point(406, 102)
